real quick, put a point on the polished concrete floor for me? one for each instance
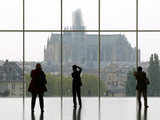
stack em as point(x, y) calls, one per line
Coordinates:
point(110, 109)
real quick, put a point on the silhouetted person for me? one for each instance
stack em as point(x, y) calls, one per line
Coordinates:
point(37, 86)
point(142, 82)
point(76, 85)
point(78, 115)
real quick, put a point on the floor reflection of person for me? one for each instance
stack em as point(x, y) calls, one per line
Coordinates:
point(37, 86)
point(33, 116)
point(76, 85)
point(142, 82)
point(145, 114)
point(74, 114)
point(139, 114)
point(78, 115)
point(41, 116)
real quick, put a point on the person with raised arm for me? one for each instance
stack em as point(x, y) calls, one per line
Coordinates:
point(76, 85)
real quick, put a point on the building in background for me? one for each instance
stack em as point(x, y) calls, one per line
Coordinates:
point(11, 82)
point(82, 48)
point(116, 58)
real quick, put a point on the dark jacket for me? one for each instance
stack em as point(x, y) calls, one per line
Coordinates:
point(38, 82)
point(77, 79)
point(142, 80)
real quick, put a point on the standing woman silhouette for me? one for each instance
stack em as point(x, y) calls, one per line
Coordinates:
point(76, 85)
point(142, 82)
point(37, 86)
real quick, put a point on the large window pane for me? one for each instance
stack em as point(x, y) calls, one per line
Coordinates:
point(118, 60)
point(11, 82)
point(118, 14)
point(42, 14)
point(80, 14)
point(118, 57)
point(148, 14)
point(81, 48)
point(11, 14)
point(149, 46)
point(40, 48)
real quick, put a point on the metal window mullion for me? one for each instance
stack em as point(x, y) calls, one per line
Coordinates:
point(23, 59)
point(99, 56)
point(61, 59)
point(137, 56)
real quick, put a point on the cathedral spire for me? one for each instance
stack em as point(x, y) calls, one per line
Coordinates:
point(77, 21)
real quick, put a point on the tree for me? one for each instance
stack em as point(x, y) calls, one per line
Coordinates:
point(131, 84)
point(53, 85)
point(154, 75)
point(90, 85)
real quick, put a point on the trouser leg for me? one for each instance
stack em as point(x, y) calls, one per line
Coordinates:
point(74, 95)
point(139, 98)
point(34, 95)
point(41, 101)
point(145, 97)
point(79, 95)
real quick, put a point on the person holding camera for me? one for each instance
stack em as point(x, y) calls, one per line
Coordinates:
point(76, 85)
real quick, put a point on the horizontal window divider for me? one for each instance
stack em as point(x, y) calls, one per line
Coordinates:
point(148, 30)
point(11, 30)
point(80, 30)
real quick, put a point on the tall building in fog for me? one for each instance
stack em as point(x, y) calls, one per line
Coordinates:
point(82, 48)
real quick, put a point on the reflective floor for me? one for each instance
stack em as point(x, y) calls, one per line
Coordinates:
point(110, 109)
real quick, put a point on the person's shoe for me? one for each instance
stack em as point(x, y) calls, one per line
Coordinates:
point(42, 111)
point(75, 106)
point(80, 106)
point(146, 106)
point(32, 110)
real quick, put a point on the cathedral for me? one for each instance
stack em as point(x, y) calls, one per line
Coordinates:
point(82, 48)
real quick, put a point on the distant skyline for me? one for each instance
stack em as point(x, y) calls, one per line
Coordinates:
point(34, 51)
point(40, 14)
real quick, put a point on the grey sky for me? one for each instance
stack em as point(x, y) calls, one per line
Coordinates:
point(45, 14)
